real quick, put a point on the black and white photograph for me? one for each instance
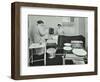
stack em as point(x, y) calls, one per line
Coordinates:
point(53, 40)
point(57, 40)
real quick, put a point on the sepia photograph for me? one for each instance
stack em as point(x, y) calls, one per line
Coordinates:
point(57, 40)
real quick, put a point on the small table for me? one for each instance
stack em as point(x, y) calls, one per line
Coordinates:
point(32, 48)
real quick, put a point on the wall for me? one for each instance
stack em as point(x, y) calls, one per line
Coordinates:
point(83, 30)
point(78, 27)
point(72, 30)
point(5, 41)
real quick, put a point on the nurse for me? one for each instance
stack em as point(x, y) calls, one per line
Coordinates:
point(39, 33)
point(60, 30)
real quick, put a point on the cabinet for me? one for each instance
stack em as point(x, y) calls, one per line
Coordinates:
point(68, 21)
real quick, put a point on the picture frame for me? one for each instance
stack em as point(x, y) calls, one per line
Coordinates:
point(22, 14)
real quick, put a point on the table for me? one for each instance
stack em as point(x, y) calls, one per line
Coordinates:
point(70, 56)
point(37, 51)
